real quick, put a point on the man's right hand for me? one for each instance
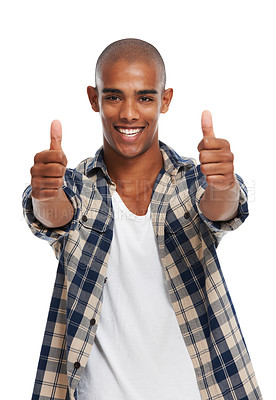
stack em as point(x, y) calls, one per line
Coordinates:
point(51, 206)
point(49, 167)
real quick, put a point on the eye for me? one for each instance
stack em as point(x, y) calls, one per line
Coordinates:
point(113, 98)
point(145, 99)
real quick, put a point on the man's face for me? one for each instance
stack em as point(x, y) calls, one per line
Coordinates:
point(130, 98)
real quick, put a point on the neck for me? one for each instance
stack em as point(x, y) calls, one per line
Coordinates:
point(136, 175)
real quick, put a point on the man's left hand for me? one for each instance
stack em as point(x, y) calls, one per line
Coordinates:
point(215, 156)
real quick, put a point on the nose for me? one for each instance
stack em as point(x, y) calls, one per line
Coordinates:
point(129, 111)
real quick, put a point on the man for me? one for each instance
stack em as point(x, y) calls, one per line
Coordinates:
point(140, 309)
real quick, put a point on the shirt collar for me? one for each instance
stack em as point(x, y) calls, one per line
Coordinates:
point(172, 161)
point(98, 163)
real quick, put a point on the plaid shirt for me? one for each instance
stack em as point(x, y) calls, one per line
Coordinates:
point(187, 243)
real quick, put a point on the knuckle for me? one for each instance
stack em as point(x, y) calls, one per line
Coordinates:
point(230, 156)
point(202, 156)
point(227, 144)
point(37, 183)
point(200, 145)
point(65, 160)
point(36, 158)
point(34, 182)
point(227, 156)
point(39, 157)
point(60, 170)
point(231, 168)
point(34, 170)
point(203, 168)
point(59, 182)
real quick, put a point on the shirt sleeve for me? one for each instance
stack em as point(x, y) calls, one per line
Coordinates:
point(220, 228)
point(54, 236)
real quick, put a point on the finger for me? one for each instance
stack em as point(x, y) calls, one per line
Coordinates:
point(48, 170)
point(220, 182)
point(207, 124)
point(209, 156)
point(45, 194)
point(47, 183)
point(212, 143)
point(50, 156)
point(217, 169)
point(214, 156)
point(215, 180)
point(56, 135)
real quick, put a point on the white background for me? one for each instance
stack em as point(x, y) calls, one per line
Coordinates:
point(219, 56)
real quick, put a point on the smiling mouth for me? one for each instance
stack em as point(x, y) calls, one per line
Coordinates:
point(129, 131)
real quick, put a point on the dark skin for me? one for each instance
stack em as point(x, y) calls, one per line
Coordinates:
point(221, 198)
point(50, 204)
point(130, 99)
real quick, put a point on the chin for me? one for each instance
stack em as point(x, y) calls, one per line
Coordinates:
point(130, 154)
point(135, 151)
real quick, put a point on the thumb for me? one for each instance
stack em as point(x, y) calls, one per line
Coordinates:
point(207, 124)
point(56, 135)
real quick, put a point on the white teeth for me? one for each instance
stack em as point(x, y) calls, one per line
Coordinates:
point(129, 131)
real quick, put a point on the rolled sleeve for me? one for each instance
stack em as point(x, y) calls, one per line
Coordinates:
point(220, 228)
point(52, 235)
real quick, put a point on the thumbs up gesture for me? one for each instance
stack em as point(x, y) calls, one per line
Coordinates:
point(215, 157)
point(49, 167)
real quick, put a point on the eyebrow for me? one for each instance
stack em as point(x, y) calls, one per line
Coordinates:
point(110, 90)
point(147, 91)
point(139, 92)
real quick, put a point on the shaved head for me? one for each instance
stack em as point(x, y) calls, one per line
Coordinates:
point(130, 50)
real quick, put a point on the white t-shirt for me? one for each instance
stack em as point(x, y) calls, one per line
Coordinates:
point(138, 352)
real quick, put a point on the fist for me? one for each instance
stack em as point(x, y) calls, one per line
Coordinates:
point(215, 156)
point(49, 167)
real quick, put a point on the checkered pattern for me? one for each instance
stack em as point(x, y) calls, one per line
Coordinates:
point(187, 244)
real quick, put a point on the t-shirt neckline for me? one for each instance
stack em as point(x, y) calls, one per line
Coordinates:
point(121, 205)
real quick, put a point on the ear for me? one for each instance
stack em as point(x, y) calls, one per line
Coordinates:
point(166, 100)
point(93, 98)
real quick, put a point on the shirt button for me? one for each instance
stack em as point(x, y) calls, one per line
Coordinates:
point(187, 215)
point(92, 321)
point(84, 218)
point(77, 365)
